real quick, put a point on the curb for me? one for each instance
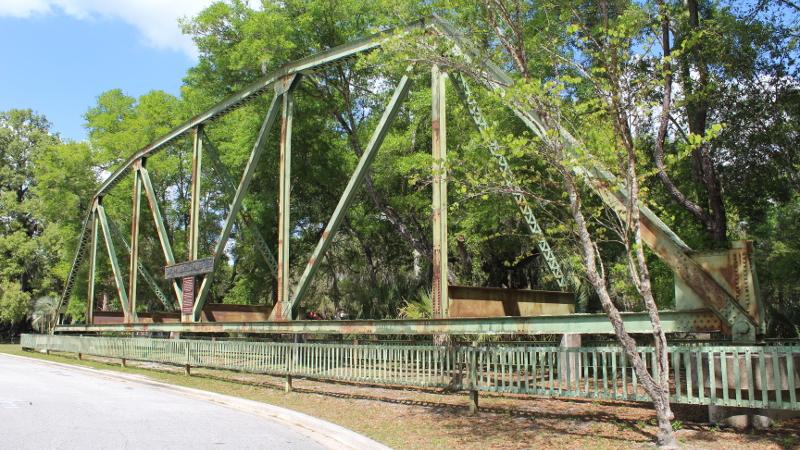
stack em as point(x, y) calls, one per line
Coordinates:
point(325, 433)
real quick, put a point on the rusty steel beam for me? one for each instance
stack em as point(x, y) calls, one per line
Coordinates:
point(282, 311)
point(195, 192)
point(468, 301)
point(212, 312)
point(695, 321)
point(668, 246)
point(439, 282)
point(655, 233)
point(136, 209)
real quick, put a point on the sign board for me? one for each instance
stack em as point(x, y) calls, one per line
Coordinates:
point(188, 295)
point(189, 268)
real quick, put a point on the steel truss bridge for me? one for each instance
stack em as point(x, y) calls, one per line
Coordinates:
point(716, 292)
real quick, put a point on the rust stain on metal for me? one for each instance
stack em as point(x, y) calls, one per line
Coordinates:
point(188, 295)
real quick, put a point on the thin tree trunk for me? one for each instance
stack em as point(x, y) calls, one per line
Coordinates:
point(656, 391)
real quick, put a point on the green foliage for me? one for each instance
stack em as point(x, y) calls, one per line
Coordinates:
point(14, 302)
point(574, 53)
point(420, 307)
point(45, 314)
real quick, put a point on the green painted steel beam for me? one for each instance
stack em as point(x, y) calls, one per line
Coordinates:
point(195, 193)
point(520, 200)
point(282, 310)
point(228, 189)
point(133, 249)
point(656, 234)
point(665, 243)
point(142, 270)
point(696, 321)
point(161, 230)
point(348, 195)
point(439, 281)
point(92, 270)
point(241, 190)
point(252, 90)
point(83, 237)
point(112, 255)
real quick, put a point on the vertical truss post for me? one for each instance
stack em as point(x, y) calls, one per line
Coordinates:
point(439, 210)
point(194, 214)
point(282, 311)
point(112, 255)
point(194, 221)
point(136, 209)
point(92, 266)
point(400, 93)
point(161, 230)
point(244, 186)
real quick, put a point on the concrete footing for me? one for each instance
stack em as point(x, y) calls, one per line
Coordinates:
point(570, 363)
point(747, 418)
point(473, 402)
point(187, 370)
point(287, 387)
point(123, 362)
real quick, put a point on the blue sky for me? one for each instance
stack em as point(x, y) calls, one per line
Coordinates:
point(59, 55)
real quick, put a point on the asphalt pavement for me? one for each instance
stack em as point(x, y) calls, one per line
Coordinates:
point(45, 405)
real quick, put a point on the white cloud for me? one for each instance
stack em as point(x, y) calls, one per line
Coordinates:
point(156, 20)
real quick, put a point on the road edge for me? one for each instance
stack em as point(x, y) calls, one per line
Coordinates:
point(325, 433)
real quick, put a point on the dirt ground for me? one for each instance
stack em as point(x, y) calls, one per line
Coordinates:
point(413, 418)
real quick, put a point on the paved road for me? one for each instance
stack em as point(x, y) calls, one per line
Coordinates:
point(48, 406)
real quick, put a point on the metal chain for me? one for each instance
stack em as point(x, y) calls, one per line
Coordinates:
point(508, 178)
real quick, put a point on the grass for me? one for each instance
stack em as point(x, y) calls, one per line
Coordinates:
point(409, 418)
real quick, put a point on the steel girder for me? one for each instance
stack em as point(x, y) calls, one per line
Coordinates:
point(668, 246)
point(697, 321)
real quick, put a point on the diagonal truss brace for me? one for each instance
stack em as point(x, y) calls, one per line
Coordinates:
point(244, 215)
point(241, 190)
point(508, 178)
point(148, 278)
point(655, 233)
point(347, 197)
point(161, 230)
point(112, 255)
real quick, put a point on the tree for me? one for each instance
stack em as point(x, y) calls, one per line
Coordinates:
point(612, 29)
point(25, 261)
